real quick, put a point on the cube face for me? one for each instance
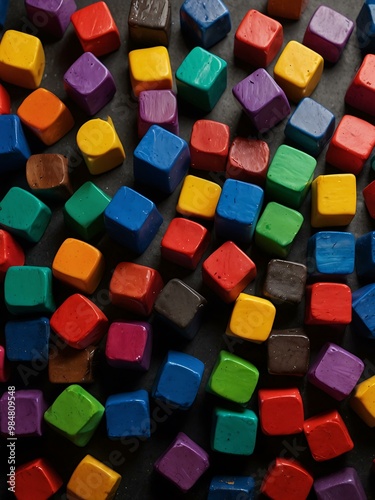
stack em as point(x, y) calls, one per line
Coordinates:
point(313, 133)
point(150, 27)
point(56, 16)
point(37, 476)
point(11, 253)
point(27, 340)
point(258, 39)
point(280, 272)
point(30, 406)
point(232, 487)
point(233, 378)
point(369, 197)
point(288, 352)
point(4, 366)
point(363, 322)
point(298, 70)
point(285, 479)
point(183, 453)
point(262, 99)
point(72, 366)
point(281, 411)
point(47, 175)
point(128, 414)
point(195, 84)
point(360, 91)
point(365, 255)
point(150, 69)
point(209, 145)
point(248, 160)
point(344, 482)
point(289, 176)
point(238, 210)
point(198, 198)
point(362, 401)
point(161, 159)
point(328, 304)
point(288, 10)
point(234, 432)
point(14, 150)
point(331, 252)
point(157, 107)
point(129, 345)
point(365, 26)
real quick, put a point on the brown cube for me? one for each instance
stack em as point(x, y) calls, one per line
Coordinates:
point(48, 176)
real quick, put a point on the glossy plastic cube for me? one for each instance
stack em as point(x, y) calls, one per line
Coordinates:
point(150, 27)
point(209, 145)
point(328, 304)
point(248, 160)
point(150, 69)
point(293, 9)
point(52, 18)
point(129, 345)
point(234, 431)
point(286, 478)
point(362, 401)
point(47, 175)
point(29, 407)
point(288, 352)
point(38, 476)
point(67, 365)
point(280, 411)
point(331, 253)
point(4, 366)
point(128, 414)
point(157, 107)
point(279, 272)
point(14, 148)
point(27, 340)
point(363, 300)
point(341, 483)
point(11, 253)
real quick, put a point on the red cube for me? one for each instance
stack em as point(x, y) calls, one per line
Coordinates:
point(11, 253)
point(184, 242)
point(4, 101)
point(135, 287)
point(79, 322)
point(4, 366)
point(228, 271)
point(328, 304)
point(37, 480)
point(361, 91)
point(129, 345)
point(258, 39)
point(369, 197)
point(280, 411)
point(286, 479)
point(248, 160)
point(209, 145)
point(96, 29)
point(351, 144)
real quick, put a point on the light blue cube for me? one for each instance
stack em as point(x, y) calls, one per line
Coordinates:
point(363, 308)
point(331, 253)
point(27, 340)
point(365, 256)
point(14, 149)
point(161, 159)
point(128, 415)
point(232, 488)
point(132, 220)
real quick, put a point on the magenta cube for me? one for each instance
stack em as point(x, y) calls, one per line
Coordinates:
point(129, 345)
point(29, 407)
point(335, 371)
point(262, 99)
point(328, 33)
point(89, 83)
point(52, 17)
point(183, 455)
point(157, 107)
point(344, 484)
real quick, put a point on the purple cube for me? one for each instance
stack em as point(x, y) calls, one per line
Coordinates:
point(52, 17)
point(341, 485)
point(157, 107)
point(89, 83)
point(328, 33)
point(29, 407)
point(183, 462)
point(335, 371)
point(262, 100)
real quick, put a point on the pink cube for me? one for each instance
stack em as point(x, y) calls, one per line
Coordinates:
point(157, 107)
point(129, 345)
point(4, 366)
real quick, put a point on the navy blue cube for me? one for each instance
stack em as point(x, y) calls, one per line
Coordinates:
point(205, 22)
point(161, 159)
point(365, 256)
point(365, 23)
point(132, 219)
point(331, 253)
point(14, 149)
point(238, 211)
point(363, 308)
point(128, 414)
point(27, 340)
point(4, 4)
point(178, 380)
point(232, 488)
point(311, 126)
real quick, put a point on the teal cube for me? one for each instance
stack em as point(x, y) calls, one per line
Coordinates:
point(201, 79)
point(234, 432)
point(24, 215)
point(28, 289)
point(84, 211)
point(289, 176)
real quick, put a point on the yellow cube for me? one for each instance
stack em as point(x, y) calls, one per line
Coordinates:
point(363, 401)
point(333, 200)
point(22, 59)
point(150, 69)
point(100, 145)
point(252, 318)
point(92, 480)
point(79, 265)
point(298, 70)
point(198, 198)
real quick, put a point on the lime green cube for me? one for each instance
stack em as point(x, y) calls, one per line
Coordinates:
point(75, 414)
point(234, 432)
point(289, 176)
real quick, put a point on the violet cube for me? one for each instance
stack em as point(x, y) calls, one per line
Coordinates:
point(29, 407)
point(129, 345)
point(336, 371)
point(52, 17)
point(183, 463)
point(344, 484)
point(262, 100)
point(328, 33)
point(89, 83)
point(157, 107)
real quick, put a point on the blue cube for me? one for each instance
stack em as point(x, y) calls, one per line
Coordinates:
point(161, 159)
point(128, 414)
point(178, 380)
point(363, 308)
point(365, 256)
point(132, 219)
point(238, 210)
point(27, 340)
point(232, 488)
point(14, 149)
point(4, 4)
point(205, 22)
point(331, 253)
point(311, 126)
point(365, 23)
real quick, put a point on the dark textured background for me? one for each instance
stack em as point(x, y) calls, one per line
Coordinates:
point(135, 461)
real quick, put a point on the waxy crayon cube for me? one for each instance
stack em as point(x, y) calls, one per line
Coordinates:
point(55, 15)
point(150, 27)
point(363, 311)
point(365, 24)
point(14, 149)
point(365, 256)
point(369, 198)
point(209, 145)
point(67, 365)
point(343, 483)
point(292, 9)
point(4, 101)
point(231, 487)
point(280, 272)
point(129, 345)
point(37, 476)
point(150, 69)
point(331, 253)
point(157, 107)
point(248, 160)
point(362, 401)
point(288, 352)
point(11, 253)
point(328, 304)
point(3, 12)
point(128, 414)
point(27, 340)
point(280, 411)
point(198, 198)
point(360, 93)
point(234, 432)
point(29, 407)
point(47, 175)
point(286, 478)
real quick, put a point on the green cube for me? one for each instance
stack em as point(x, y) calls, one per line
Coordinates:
point(28, 289)
point(83, 212)
point(234, 431)
point(201, 78)
point(24, 215)
point(75, 414)
point(233, 378)
point(289, 176)
point(277, 228)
